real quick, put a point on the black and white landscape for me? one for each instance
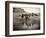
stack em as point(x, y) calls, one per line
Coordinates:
point(26, 19)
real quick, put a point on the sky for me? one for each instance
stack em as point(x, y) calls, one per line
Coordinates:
point(32, 10)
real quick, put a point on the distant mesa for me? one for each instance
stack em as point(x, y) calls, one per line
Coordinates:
point(18, 10)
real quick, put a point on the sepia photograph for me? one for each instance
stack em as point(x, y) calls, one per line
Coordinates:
point(26, 18)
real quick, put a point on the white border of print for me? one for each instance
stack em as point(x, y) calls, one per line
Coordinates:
point(11, 32)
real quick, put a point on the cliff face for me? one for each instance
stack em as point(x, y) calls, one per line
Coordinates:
point(20, 10)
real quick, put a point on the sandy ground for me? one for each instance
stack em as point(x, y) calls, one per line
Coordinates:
point(32, 23)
